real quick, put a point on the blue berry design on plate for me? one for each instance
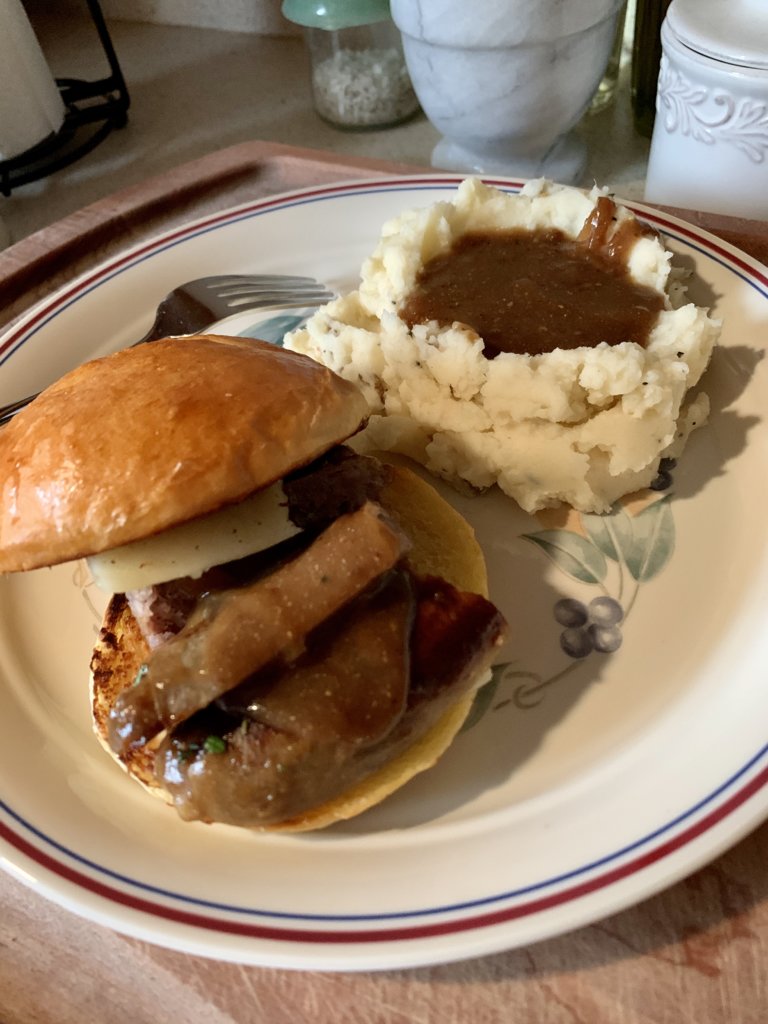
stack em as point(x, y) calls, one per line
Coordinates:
point(589, 627)
point(663, 479)
point(613, 554)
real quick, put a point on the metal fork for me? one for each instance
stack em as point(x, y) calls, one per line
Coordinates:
point(197, 305)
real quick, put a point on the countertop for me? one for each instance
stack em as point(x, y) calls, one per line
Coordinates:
point(194, 91)
point(695, 953)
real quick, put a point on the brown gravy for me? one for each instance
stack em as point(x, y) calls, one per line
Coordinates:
point(530, 292)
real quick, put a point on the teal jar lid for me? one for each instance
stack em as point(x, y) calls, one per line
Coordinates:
point(335, 14)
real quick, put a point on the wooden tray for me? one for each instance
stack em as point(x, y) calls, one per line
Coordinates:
point(695, 953)
point(42, 262)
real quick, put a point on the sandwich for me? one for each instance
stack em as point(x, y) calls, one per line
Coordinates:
point(294, 630)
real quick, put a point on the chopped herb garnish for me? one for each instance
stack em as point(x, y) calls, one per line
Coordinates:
point(214, 745)
point(143, 669)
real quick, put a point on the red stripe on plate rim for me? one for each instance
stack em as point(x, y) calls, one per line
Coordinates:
point(403, 932)
point(292, 198)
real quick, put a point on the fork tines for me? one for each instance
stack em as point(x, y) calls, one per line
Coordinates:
point(242, 289)
point(257, 282)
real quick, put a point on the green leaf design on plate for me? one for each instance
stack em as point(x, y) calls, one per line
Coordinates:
point(597, 526)
point(274, 329)
point(654, 540)
point(484, 697)
point(621, 526)
point(573, 554)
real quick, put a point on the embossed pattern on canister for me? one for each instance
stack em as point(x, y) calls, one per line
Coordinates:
point(710, 141)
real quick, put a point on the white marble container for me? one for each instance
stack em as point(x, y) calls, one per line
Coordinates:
point(710, 139)
point(505, 81)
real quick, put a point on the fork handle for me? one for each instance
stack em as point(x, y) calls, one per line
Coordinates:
point(156, 331)
point(7, 412)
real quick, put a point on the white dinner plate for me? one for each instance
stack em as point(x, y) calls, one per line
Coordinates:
point(583, 784)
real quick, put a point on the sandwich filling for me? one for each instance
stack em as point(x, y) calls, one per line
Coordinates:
point(276, 682)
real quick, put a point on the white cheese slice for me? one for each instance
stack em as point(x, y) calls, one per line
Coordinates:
point(252, 525)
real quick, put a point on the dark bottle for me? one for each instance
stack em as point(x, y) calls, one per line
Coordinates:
point(646, 57)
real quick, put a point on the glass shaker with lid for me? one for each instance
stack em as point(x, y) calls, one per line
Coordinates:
point(359, 77)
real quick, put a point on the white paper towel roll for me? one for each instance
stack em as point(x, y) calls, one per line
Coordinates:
point(30, 103)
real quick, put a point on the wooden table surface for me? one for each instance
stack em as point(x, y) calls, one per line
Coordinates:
point(697, 953)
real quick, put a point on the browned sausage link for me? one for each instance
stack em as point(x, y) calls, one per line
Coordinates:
point(372, 684)
point(296, 742)
point(235, 632)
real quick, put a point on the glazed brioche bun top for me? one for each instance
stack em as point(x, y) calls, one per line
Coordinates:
point(131, 444)
point(444, 544)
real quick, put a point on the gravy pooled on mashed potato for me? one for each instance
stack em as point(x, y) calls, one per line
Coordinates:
point(537, 341)
point(530, 292)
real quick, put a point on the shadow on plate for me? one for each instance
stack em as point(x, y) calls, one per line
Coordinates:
point(513, 713)
point(726, 434)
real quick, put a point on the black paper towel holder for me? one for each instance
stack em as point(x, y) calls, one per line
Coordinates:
point(92, 111)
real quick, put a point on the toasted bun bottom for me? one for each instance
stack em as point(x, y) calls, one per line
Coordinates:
point(443, 545)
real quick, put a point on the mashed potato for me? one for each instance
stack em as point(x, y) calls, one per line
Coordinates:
point(578, 425)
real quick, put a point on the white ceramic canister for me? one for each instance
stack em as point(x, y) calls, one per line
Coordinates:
point(710, 140)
